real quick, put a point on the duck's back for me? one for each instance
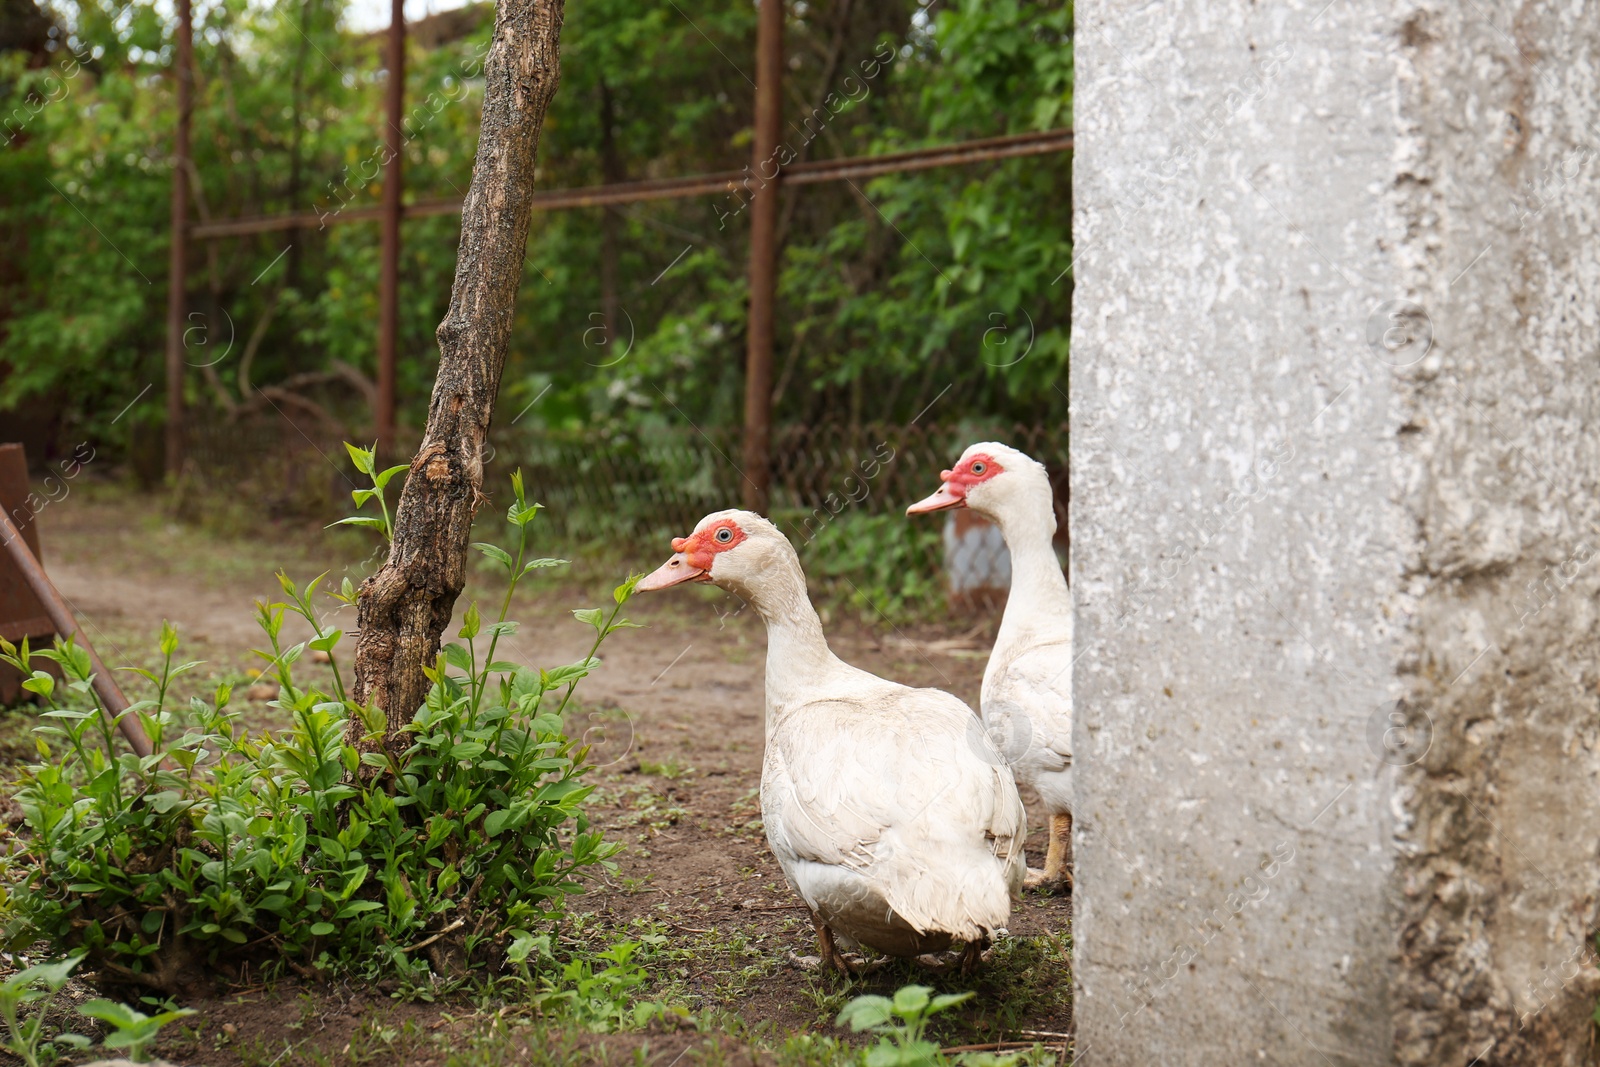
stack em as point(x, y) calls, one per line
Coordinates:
point(894, 817)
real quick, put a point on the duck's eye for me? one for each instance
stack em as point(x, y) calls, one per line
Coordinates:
point(724, 535)
point(978, 468)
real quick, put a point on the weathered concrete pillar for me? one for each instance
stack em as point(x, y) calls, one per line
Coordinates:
point(1335, 393)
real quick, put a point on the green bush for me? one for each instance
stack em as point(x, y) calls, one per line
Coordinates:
point(889, 567)
point(226, 851)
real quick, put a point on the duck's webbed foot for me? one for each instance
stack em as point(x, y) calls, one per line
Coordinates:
point(1057, 873)
point(829, 955)
point(969, 959)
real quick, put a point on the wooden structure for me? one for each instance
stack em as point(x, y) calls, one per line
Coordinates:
point(21, 613)
point(19, 558)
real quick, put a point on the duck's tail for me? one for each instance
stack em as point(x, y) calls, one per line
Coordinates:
point(948, 878)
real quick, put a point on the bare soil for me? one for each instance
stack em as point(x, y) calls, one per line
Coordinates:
point(675, 716)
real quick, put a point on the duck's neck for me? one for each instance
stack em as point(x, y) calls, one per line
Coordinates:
point(1039, 597)
point(798, 656)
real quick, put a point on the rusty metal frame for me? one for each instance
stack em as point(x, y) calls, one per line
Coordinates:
point(737, 182)
point(744, 183)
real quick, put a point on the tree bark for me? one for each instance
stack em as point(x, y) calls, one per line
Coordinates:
point(406, 606)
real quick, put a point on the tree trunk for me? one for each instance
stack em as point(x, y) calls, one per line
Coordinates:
point(405, 607)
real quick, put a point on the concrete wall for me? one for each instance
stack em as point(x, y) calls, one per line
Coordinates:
point(1335, 382)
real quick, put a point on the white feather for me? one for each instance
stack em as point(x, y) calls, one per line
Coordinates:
point(889, 808)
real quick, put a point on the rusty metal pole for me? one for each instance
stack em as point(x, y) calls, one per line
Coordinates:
point(178, 259)
point(111, 698)
point(389, 283)
point(763, 258)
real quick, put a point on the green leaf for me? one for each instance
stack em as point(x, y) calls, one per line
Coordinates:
point(361, 457)
point(109, 1011)
point(169, 639)
point(623, 592)
point(520, 514)
point(471, 622)
point(494, 552)
point(864, 1013)
point(911, 1000)
point(948, 1000)
point(593, 616)
point(542, 562)
point(326, 642)
point(372, 521)
point(382, 479)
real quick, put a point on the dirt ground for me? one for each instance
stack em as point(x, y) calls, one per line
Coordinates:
point(675, 716)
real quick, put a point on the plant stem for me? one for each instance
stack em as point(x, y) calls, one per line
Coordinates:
point(599, 636)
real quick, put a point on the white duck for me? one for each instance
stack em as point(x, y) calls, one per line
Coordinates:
point(1027, 688)
point(891, 812)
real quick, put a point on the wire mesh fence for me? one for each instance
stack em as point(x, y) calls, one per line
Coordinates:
point(839, 491)
point(647, 482)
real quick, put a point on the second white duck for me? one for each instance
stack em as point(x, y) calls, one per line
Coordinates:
point(1027, 687)
point(889, 809)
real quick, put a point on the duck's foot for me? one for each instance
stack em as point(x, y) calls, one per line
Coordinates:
point(828, 954)
point(1060, 882)
point(845, 962)
point(968, 960)
point(859, 965)
point(1057, 874)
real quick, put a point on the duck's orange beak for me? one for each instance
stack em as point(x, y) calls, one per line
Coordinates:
point(674, 571)
point(939, 501)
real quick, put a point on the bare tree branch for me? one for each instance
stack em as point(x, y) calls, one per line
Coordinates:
point(405, 607)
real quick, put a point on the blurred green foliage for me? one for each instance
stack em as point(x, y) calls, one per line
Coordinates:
point(890, 290)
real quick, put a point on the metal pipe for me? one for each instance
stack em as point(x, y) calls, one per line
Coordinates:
point(111, 698)
point(389, 281)
point(178, 257)
point(835, 170)
point(827, 170)
point(763, 257)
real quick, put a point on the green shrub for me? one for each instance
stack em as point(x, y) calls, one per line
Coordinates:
point(226, 851)
point(882, 565)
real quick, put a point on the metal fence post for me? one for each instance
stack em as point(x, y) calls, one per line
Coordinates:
point(763, 258)
point(178, 259)
point(389, 283)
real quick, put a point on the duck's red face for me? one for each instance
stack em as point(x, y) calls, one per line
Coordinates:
point(693, 556)
point(955, 484)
